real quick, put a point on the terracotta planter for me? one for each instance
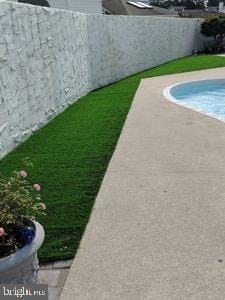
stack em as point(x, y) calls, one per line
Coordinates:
point(21, 267)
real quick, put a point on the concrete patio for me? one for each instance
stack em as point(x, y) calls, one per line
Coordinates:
point(157, 230)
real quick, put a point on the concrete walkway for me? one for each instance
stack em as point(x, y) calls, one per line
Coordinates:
point(158, 227)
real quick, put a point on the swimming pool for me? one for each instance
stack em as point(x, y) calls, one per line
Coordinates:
point(205, 96)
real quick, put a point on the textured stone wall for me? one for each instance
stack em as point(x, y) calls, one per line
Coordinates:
point(43, 67)
point(49, 58)
point(127, 45)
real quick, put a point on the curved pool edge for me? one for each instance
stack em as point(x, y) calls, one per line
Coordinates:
point(167, 95)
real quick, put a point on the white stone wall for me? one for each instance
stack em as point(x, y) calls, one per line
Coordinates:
point(120, 46)
point(43, 67)
point(49, 58)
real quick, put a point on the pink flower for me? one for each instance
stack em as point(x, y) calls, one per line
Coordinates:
point(2, 231)
point(23, 174)
point(43, 206)
point(37, 187)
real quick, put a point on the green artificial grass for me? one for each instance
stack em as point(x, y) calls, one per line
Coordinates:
point(71, 154)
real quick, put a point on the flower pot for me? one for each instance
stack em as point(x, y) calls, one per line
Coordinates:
point(21, 267)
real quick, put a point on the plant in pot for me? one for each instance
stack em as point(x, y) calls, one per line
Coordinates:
point(20, 235)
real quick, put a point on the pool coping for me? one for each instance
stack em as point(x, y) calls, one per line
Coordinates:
point(169, 97)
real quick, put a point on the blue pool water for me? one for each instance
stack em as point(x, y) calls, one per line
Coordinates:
point(207, 96)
